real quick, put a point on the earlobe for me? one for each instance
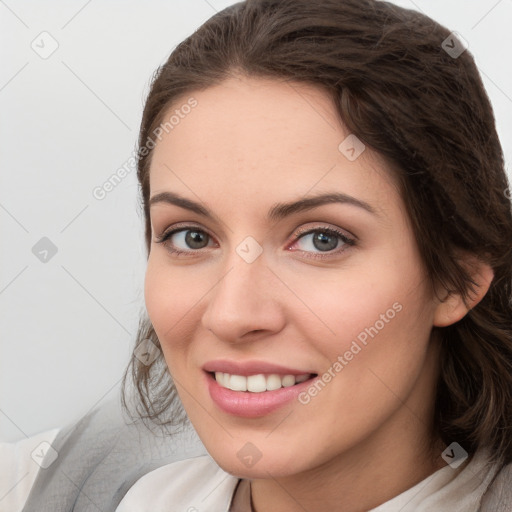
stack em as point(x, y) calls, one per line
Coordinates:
point(453, 308)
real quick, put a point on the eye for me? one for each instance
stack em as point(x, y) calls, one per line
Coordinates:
point(190, 240)
point(328, 241)
point(184, 240)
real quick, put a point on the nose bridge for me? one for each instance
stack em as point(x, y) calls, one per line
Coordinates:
point(242, 282)
point(244, 299)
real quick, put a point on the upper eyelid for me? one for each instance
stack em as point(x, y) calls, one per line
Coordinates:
point(191, 225)
point(326, 227)
point(186, 227)
point(308, 212)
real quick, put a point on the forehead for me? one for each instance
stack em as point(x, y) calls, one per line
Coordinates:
point(252, 139)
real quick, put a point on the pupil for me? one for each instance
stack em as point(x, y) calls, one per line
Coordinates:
point(195, 238)
point(321, 242)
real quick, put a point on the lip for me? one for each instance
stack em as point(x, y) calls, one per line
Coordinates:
point(247, 368)
point(246, 404)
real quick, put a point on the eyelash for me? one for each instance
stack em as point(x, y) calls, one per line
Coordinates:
point(300, 234)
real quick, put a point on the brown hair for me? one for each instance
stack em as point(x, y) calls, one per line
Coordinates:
point(427, 113)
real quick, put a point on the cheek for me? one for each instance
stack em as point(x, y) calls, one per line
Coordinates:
point(373, 360)
point(383, 299)
point(371, 326)
point(380, 332)
point(173, 298)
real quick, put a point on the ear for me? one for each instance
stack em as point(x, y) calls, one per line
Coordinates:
point(452, 308)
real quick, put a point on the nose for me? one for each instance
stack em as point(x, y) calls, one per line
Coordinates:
point(246, 303)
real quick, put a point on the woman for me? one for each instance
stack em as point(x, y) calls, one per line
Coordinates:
point(329, 241)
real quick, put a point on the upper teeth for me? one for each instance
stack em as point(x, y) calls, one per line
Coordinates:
point(257, 383)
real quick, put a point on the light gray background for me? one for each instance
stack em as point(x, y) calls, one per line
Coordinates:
point(67, 123)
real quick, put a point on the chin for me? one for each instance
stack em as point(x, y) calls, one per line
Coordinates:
point(244, 459)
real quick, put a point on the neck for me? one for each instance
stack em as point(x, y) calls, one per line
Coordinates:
point(355, 482)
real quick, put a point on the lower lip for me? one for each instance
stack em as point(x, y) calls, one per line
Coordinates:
point(252, 405)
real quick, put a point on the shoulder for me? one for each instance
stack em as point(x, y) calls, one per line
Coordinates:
point(498, 497)
point(195, 483)
point(101, 456)
point(20, 463)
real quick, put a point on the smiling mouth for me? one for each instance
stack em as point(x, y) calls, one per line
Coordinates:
point(260, 382)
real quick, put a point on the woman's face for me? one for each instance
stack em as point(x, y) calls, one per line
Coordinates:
point(274, 285)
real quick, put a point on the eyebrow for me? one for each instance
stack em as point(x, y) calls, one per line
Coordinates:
point(277, 212)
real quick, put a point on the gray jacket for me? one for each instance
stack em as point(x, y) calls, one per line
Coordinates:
point(101, 456)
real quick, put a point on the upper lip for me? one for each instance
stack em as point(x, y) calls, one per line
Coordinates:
point(250, 368)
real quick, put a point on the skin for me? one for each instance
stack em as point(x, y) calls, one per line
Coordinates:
point(251, 143)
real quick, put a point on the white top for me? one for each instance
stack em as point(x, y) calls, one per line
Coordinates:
point(198, 484)
point(19, 467)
